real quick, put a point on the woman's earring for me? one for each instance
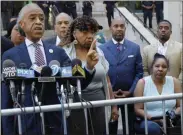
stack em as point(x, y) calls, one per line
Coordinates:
point(75, 41)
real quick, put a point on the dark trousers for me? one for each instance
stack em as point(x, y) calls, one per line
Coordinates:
point(113, 127)
point(97, 120)
point(110, 14)
point(148, 14)
point(87, 12)
point(159, 15)
point(71, 12)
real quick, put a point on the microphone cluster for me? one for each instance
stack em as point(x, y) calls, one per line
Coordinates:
point(15, 75)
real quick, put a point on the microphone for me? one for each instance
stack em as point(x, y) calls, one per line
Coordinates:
point(23, 66)
point(55, 67)
point(9, 70)
point(66, 69)
point(77, 69)
point(46, 72)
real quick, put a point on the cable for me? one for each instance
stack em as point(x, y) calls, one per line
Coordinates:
point(24, 114)
point(40, 112)
point(34, 112)
point(91, 122)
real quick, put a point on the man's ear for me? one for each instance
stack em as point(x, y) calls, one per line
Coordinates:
point(20, 28)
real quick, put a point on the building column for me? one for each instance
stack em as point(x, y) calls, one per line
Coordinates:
point(173, 13)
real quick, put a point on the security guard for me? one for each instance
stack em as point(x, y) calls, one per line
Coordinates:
point(110, 10)
point(87, 8)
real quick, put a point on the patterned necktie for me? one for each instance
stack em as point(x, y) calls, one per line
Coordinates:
point(118, 47)
point(39, 57)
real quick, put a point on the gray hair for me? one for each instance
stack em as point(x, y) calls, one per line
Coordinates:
point(62, 14)
point(25, 9)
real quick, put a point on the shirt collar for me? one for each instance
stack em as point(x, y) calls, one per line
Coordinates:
point(165, 44)
point(28, 42)
point(115, 42)
point(58, 41)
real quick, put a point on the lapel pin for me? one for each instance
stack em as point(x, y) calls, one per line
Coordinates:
point(51, 50)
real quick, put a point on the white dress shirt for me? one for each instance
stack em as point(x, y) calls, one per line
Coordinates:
point(162, 48)
point(115, 42)
point(31, 49)
point(58, 41)
point(121, 43)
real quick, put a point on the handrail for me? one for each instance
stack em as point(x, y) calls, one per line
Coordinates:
point(79, 105)
point(131, 11)
point(132, 25)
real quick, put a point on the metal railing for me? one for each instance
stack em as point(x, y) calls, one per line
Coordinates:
point(140, 20)
point(51, 108)
point(133, 28)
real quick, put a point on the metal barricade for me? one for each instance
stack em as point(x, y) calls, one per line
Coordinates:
point(126, 101)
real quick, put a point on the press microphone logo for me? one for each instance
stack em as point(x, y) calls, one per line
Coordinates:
point(66, 71)
point(25, 73)
point(55, 69)
point(9, 72)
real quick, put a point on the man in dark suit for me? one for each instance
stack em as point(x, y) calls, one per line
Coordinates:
point(33, 50)
point(62, 23)
point(6, 44)
point(87, 8)
point(70, 8)
point(159, 10)
point(125, 68)
point(148, 12)
point(110, 5)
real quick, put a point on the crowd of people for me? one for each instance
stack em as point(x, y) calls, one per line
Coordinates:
point(114, 69)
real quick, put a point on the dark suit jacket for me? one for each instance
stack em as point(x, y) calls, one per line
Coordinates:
point(51, 40)
point(125, 69)
point(19, 54)
point(6, 44)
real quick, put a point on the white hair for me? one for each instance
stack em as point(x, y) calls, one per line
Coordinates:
point(63, 14)
point(25, 9)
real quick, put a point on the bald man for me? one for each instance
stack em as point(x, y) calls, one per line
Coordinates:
point(62, 23)
point(34, 51)
point(125, 68)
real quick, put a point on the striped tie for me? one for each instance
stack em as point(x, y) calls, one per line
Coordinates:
point(39, 58)
point(118, 47)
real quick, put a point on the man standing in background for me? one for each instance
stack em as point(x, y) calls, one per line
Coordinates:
point(148, 10)
point(62, 23)
point(125, 69)
point(110, 10)
point(159, 10)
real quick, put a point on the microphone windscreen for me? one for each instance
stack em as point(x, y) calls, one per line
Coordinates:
point(46, 71)
point(54, 62)
point(76, 62)
point(8, 63)
point(55, 67)
point(23, 65)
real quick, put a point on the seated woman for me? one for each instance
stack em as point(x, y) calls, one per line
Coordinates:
point(155, 85)
point(77, 44)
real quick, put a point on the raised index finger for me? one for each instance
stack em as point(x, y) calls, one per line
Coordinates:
point(93, 45)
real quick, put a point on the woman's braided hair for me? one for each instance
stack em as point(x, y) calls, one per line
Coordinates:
point(80, 23)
